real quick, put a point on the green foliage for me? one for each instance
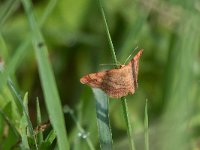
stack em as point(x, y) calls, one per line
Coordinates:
point(74, 32)
point(103, 121)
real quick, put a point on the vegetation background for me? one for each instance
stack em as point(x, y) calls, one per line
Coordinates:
point(74, 33)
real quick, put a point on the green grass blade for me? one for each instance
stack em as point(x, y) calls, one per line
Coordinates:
point(48, 140)
point(108, 34)
point(19, 102)
point(50, 137)
point(123, 99)
point(128, 123)
point(67, 109)
point(24, 136)
point(103, 122)
point(146, 126)
point(48, 81)
point(39, 121)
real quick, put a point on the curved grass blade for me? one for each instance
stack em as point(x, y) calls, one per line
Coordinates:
point(103, 123)
point(52, 98)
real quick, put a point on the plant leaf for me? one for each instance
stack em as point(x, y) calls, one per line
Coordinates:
point(102, 112)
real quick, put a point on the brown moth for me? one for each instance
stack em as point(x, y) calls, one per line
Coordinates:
point(116, 83)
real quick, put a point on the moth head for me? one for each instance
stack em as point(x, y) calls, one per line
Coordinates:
point(121, 66)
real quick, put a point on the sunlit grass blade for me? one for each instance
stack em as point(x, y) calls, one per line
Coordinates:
point(39, 121)
point(83, 133)
point(103, 122)
point(52, 98)
point(146, 127)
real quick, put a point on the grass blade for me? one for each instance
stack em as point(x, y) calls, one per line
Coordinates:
point(146, 126)
point(24, 125)
point(20, 104)
point(123, 99)
point(102, 112)
point(108, 34)
point(52, 98)
point(51, 137)
point(48, 140)
point(39, 121)
point(128, 123)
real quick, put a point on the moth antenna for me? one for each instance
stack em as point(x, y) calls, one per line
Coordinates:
point(108, 64)
point(118, 64)
point(130, 55)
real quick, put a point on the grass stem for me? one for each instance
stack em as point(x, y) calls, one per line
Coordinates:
point(128, 123)
point(146, 126)
point(123, 99)
point(108, 34)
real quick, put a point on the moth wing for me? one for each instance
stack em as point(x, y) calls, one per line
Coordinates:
point(117, 82)
point(94, 79)
point(134, 63)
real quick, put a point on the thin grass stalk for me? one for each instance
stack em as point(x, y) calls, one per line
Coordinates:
point(128, 123)
point(108, 34)
point(123, 99)
point(146, 127)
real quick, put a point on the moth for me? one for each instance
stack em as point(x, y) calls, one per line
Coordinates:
point(116, 83)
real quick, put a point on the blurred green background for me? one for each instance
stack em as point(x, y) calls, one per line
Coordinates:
point(169, 74)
